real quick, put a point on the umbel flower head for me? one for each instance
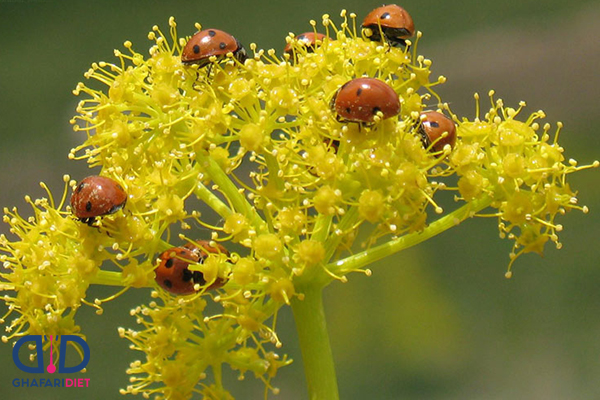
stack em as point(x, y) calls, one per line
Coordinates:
point(290, 170)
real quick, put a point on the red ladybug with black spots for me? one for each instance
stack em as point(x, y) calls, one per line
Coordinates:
point(96, 196)
point(173, 273)
point(211, 42)
point(360, 99)
point(394, 22)
point(308, 40)
point(436, 131)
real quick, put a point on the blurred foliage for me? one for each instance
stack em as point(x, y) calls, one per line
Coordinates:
point(436, 322)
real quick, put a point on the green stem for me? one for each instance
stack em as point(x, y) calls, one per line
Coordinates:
point(345, 224)
point(364, 258)
point(273, 167)
point(212, 200)
point(226, 185)
point(314, 343)
point(322, 227)
point(108, 278)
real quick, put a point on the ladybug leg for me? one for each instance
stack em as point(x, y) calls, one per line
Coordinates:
point(389, 43)
point(423, 136)
point(94, 222)
point(383, 37)
point(401, 44)
point(89, 221)
point(197, 73)
point(332, 143)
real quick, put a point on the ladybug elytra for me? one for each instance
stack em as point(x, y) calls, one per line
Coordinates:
point(308, 40)
point(393, 21)
point(431, 129)
point(211, 42)
point(173, 273)
point(360, 99)
point(96, 196)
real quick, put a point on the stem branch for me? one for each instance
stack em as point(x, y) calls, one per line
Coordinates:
point(108, 278)
point(225, 184)
point(212, 200)
point(376, 253)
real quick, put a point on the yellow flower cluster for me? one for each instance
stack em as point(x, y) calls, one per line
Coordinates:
point(520, 167)
point(48, 263)
point(50, 270)
point(180, 344)
point(291, 185)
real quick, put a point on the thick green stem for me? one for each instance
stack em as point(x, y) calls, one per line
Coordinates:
point(314, 343)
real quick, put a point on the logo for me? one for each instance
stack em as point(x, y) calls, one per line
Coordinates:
point(51, 367)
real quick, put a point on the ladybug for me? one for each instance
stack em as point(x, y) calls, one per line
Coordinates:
point(393, 21)
point(432, 126)
point(360, 99)
point(172, 273)
point(211, 42)
point(307, 40)
point(96, 196)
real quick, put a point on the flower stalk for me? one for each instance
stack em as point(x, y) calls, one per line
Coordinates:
point(108, 278)
point(367, 257)
point(317, 357)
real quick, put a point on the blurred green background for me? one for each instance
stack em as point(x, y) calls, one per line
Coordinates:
point(436, 322)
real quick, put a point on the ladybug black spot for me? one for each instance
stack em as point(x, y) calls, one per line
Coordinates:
point(199, 278)
point(81, 185)
point(434, 124)
point(222, 45)
point(300, 37)
point(376, 110)
point(358, 91)
point(187, 275)
point(169, 263)
point(88, 206)
point(196, 49)
point(211, 33)
point(385, 15)
point(348, 110)
point(168, 283)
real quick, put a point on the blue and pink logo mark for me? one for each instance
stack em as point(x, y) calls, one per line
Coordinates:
point(51, 368)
